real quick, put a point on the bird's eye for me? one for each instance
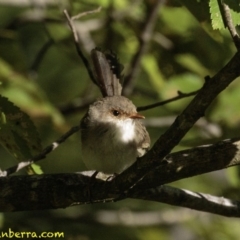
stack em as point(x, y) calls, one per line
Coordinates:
point(115, 113)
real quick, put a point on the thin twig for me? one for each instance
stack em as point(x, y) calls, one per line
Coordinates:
point(143, 42)
point(76, 107)
point(180, 96)
point(41, 155)
point(86, 13)
point(227, 20)
point(41, 54)
point(76, 42)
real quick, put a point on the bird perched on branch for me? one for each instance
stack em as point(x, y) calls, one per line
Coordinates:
point(112, 134)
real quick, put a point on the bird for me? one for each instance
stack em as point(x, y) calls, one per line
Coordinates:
point(112, 134)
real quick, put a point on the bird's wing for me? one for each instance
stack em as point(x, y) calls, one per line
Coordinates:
point(143, 143)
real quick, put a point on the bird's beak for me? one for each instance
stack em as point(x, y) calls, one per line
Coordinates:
point(136, 116)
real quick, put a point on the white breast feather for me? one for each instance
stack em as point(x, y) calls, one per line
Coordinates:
point(126, 130)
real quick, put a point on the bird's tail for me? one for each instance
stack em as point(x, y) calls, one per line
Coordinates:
point(108, 72)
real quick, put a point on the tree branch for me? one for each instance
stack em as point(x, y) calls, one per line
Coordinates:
point(64, 190)
point(76, 40)
point(227, 20)
point(192, 162)
point(69, 189)
point(86, 13)
point(75, 107)
point(181, 125)
point(180, 96)
point(193, 200)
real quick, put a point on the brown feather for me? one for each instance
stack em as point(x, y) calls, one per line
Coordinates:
point(107, 79)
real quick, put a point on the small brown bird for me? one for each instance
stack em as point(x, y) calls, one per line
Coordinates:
point(112, 134)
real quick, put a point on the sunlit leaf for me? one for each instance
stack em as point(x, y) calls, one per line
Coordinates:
point(217, 22)
point(216, 17)
point(36, 169)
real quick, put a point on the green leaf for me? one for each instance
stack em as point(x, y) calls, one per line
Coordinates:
point(216, 17)
point(36, 169)
point(217, 22)
point(17, 132)
point(200, 10)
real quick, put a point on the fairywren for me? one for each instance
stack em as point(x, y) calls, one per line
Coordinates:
point(112, 134)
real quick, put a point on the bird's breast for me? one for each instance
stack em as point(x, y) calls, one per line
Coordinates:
point(125, 131)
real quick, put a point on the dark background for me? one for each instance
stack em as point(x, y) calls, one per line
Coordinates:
point(41, 72)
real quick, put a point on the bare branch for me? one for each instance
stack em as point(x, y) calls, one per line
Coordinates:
point(182, 124)
point(180, 96)
point(227, 19)
point(193, 200)
point(76, 42)
point(75, 107)
point(143, 42)
point(73, 189)
point(192, 162)
point(41, 155)
point(86, 13)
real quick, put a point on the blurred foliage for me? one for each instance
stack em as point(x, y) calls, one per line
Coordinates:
point(41, 73)
point(17, 133)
